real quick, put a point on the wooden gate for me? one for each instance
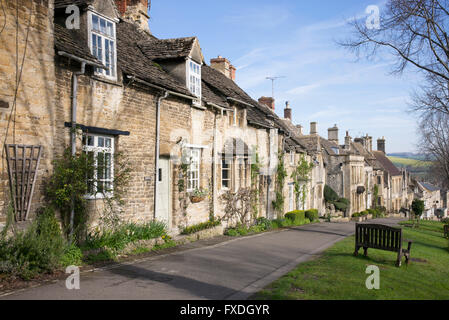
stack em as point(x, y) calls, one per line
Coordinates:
point(23, 164)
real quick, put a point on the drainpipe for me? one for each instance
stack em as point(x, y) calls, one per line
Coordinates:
point(73, 134)
point(158, 133)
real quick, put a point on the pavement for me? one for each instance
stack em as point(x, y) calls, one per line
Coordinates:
point(230, 270)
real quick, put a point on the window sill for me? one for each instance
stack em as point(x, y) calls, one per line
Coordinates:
point(99, 196)
point(107, 80)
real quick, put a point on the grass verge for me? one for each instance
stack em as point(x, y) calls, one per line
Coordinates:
point(338, 275)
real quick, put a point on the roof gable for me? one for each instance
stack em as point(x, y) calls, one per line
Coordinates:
point(386, 163)
point(167, 49)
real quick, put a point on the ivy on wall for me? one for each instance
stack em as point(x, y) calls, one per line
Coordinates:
point(301, 177)
point(281, 174)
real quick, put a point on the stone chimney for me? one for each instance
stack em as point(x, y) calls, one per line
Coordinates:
point(299, 129)
point(224, 66)
point(369, 143)
point(332, 135)
point(348, 140)
point(313, 128)
point(381, 144)
point(135, 11)
point(288, 111)
point(268, 101)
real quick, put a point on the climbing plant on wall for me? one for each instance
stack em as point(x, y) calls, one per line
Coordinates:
point(301, 177)
point(281, 174)
point(255, 188)
point(182, 184)
point(376, 196)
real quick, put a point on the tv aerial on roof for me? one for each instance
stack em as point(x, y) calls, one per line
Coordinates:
point(273, 79)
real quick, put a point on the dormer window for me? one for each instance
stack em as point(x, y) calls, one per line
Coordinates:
point(102, 43)
point(194, 78)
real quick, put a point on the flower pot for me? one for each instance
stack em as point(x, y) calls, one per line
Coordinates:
point(195, 199)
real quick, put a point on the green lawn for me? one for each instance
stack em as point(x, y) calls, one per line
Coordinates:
point(338, 275)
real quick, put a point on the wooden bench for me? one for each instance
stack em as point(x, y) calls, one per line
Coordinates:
point(446, 231)
point(377, 236)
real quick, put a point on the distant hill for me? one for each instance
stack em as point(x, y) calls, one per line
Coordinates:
point(402, 162)
point(408, 155)
point(418, 168)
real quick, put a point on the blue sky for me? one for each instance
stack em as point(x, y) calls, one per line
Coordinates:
point(297, 39)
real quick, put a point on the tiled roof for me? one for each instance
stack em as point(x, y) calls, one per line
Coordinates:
point(161, 49)
point(64, 3)
point(386, 163)
point(429, 186)
point(72, 42)
point(133, 62)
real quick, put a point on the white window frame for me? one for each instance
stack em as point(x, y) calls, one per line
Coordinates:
point(292, 157)
point(228, 163)
point(104, 37)
point(95, 149)
point(193, 77)
point(194, 154)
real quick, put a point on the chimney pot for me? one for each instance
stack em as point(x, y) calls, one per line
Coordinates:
point(288, 111)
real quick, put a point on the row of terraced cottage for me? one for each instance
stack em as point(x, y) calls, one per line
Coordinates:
point(158, 102)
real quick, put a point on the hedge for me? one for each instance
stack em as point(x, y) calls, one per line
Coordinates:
point(199, 227)
point(312, 214)
point(297, 215)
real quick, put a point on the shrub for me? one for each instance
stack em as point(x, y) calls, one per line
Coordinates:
point(38, 249)
point(382, 209)
point(200, 227)
point(330, 195)
point(264, 224)
point(232, 233)
point(341, 205)
point(297, 215)
point(312, 214)
point(445, 220)
point(73, 256)
point(116, 239)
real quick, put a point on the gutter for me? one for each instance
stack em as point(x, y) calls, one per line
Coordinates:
point(239, 101)
point(81, 60)
point(162, 89)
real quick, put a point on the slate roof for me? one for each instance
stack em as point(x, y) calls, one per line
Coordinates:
point(137, 52)
point(72, 42)
point(162, 49)
point(64, 3)
point(386, 163)
point(429, 186)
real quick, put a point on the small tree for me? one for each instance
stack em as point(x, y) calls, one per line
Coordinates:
point(418, 209)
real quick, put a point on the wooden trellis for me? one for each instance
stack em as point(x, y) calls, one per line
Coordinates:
point(23, 164)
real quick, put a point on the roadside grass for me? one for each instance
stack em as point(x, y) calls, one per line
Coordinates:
point(338, 275)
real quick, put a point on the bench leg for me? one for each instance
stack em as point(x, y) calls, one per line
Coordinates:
point(365, 251)
point(356, 252)
point(399, 261)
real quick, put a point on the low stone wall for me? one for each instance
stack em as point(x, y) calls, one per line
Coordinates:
point(203, 234)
